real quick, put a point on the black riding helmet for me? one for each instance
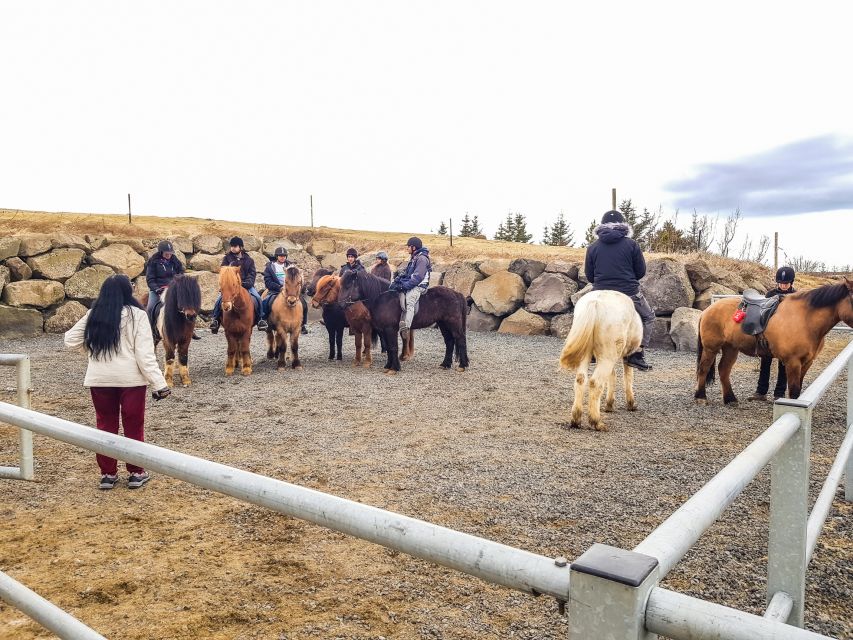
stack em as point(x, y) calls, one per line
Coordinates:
point(785, 275)
point(165, 247)
point(415, 242)
point(280, 251)
point(612, 217)
point(236, 241)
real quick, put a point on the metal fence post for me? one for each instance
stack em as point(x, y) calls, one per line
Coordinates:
point(787, 556)
point(610, 589)
point(848, 469)
point(24, 394)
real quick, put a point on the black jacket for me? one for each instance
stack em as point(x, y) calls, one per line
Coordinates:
point(247, 267)
point(271, 281)
point(615, 262)
point(778, 292)
point(159, 272)
point(355, 266)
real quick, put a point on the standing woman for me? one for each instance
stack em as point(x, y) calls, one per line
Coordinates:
point(116, 336)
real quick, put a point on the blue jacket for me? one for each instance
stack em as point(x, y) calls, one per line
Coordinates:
point(271, 281)
point(615, 262)
point(417, 270)
point(159, 272)
point(247, 267)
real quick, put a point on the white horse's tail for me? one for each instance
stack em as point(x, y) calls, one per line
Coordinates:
point(579, 342)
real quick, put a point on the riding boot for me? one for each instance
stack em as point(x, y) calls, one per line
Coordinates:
point(196, 336)
point(214, 326)
point(637, 361)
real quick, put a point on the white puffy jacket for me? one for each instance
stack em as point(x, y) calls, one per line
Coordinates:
point(133, 365)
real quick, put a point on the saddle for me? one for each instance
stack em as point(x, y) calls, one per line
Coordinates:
point(758, 310)
point(152, 318)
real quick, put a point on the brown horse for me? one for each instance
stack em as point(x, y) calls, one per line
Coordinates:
point(286, 319)
point(795, 334)
point(237, 320)
point(176, 322)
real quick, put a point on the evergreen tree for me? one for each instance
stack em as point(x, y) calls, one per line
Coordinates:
point(442, 229)
point(560, 234)
point(546, 235)
point(521, 234)
point(589, 235)
point(476, 229)
point(506, 229)
point(465, 231)
point(646, 227)
point(627, 209)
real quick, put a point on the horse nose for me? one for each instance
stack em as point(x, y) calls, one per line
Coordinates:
point(291, 300)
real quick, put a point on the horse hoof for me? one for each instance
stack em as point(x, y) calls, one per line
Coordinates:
point(186, 384)
point(461, 369)
point(631, 406)
point(270, 355)
point(229, 373)
point(390, 372)
point(246, 372)
point(608, 408)
point(598, 426)
point(367, 365)
point(574, 424)
point(444, 366)
point(297, 367)
point(702, 402)
point(732, 403)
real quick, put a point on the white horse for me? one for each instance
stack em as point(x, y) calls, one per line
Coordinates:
point(605, 326)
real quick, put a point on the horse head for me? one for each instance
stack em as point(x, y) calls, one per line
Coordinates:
point(319, 273)
point(327, 291)
point(187, 296)
point(230, 286)
point(847, 311)
point(350, 291)
point(293, 283)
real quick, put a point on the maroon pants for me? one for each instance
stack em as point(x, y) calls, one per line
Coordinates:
point(110, 402)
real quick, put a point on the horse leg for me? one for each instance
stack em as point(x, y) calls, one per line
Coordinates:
point(183, 359)
point(727, 361)
point(339, 343)
point(294, 347)
point(358, 345)
point(281, 349)
point(367, 351)
point(610, 394)
point(392, 365)
point(597, 382)
point(461, 339)
point(448, 346)
point(231, 361)
point(702, 370)
point(246, 356)
point(796, 372)
point(630, 402)
point(271, 344)
point(331, 342)
point(169, 371)
point(580, 389)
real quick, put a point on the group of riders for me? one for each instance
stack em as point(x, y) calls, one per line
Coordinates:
point(163, 266)
point(613, 262)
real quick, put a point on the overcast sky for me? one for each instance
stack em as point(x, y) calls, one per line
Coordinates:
point(397, 115)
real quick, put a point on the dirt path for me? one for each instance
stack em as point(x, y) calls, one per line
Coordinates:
point(485, 452)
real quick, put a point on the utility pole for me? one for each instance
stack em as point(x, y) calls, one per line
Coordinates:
point(312, 210)
point(129, 217)
point(451, 232)
point(775, 250)
point(613, 194)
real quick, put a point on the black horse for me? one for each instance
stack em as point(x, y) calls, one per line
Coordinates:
point(176, 323)
point(438, 305)
point(333, 317)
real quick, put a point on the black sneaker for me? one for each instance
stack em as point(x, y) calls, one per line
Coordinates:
point(758, 397)
point(108, 482)
point(136, 480)
point(262, 325)
point(637, 361)
point(214, 326)
point(196, 336)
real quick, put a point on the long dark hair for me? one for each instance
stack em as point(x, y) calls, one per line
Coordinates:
point(103, 328)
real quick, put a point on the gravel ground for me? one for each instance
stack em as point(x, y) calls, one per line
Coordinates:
point(486, 452)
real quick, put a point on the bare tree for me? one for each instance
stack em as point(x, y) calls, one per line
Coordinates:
point(806, 265)
point(745, 249)
point(761, 250)
point(729, 231)
point(702, 231)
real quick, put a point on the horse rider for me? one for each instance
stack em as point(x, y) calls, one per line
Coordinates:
point(381, 269)
point(237, 257)
point(615, 262)
point(274, 274)
point(353, 263)
point(784, 286)
point(412, 283)
point(160, 270)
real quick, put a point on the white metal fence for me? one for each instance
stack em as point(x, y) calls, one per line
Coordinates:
point(611, 593)
point(24, 470)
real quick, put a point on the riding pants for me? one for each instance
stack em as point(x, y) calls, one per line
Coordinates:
point(153, 301)
point(646, 315)
point(408, 300)
point(764, 378)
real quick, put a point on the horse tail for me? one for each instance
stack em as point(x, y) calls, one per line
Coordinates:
point(709, 379)
point(579, 342)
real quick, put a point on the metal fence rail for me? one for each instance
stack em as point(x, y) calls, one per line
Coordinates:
point(24, 470)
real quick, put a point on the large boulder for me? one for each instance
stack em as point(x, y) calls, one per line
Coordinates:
point(209, 284)
point(570, 269)
point(699, 273)
point(494, 265)
point(479, 321)
point(70, 241)
point(529, 270)
point(305, 261)
point(271, 244)
point(20, 323)
point(206, 262)
point(500, 294)
point(33, 293)
point(260, 285)
point(550, 293)
point(703, 300)
point(523, 323)
point(561, 325)
point(206, 243)
point(34, 244)
point(182, 258)
point(731, 280)
point(9, 247)
point(65, 317)
point(259, 259)
point(319, 247)
point(95, 241)
point(436, 278)
point(684, 328)
point(660, 338)
point(182, 244)
point(756, 283)
point(333, 260)
point(251, 243)
point(85, 285)
point(462, 276)
point(666, 286)
point(5, 277)
point(120, 258)
point(59, 264)
point(580, 294)
point(18, 269)
point(134, 243)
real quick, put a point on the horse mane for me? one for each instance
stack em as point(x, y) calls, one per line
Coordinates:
point(371, 286)
point(183, 294)
point(292, 272)
point(826, 296)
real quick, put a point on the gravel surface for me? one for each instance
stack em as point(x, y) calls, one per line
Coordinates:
point(487, 452)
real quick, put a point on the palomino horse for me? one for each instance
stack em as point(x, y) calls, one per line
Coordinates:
point(795, 335)
point(438, 305)
point(176, 322)
point(605, 326)
point(286, 319)
point(333, 316)
point(237, 320)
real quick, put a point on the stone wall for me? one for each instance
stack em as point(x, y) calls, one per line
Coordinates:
point(48, 281)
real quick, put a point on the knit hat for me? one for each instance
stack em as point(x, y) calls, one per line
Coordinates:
point(236, 241)
point(612, 217)
point(352, 252)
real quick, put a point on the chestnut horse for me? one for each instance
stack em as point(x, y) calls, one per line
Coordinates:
point(176, 322)
point(286, 319)
point(605, 326)
point(333, 316)
point(238, 312)
point(795, 334)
